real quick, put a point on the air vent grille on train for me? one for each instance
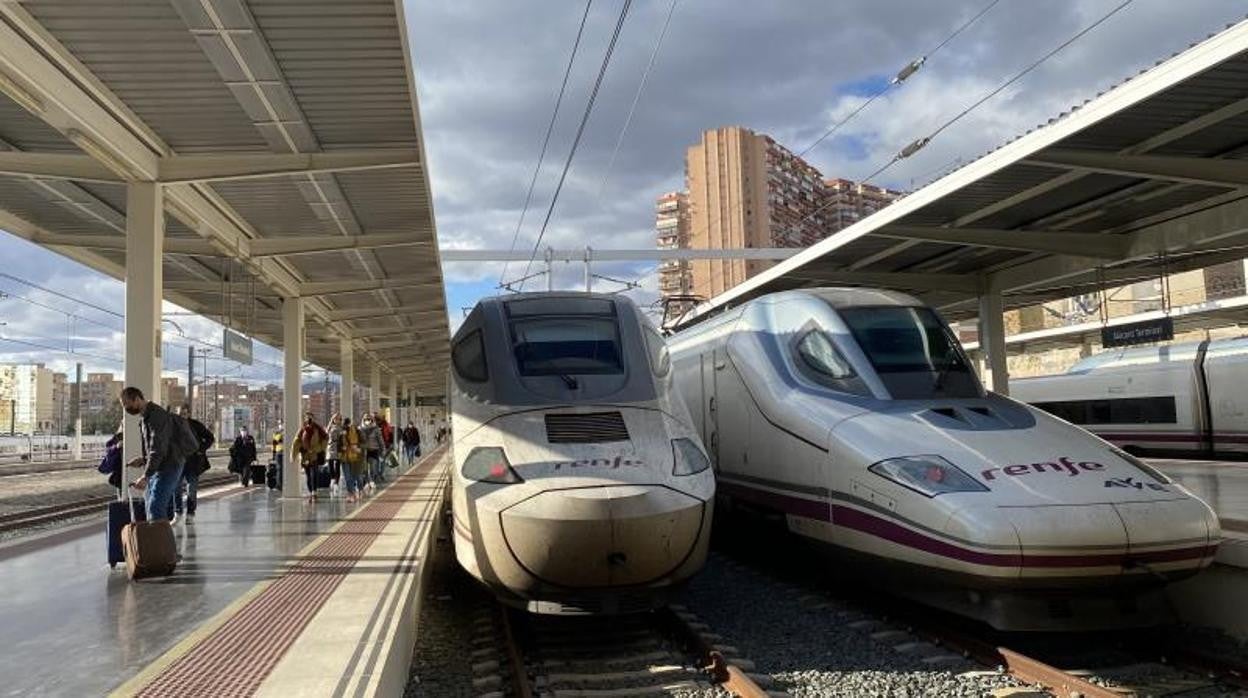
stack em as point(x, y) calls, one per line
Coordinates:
point(595, 427)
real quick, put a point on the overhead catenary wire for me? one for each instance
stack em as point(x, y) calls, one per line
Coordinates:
point(641, 86)
point(902, 75)
point(918, 144)
point(528, 197)
point(580, 131)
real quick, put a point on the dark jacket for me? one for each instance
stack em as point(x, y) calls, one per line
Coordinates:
point(411, 436)
point(161, 447)
point(197, 463)
point(242, 453)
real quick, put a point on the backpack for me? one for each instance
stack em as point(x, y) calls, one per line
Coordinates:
point(184, 438)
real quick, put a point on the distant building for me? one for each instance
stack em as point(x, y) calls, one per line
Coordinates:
point(745, 190)
point(26, 389)
point(671, 228)
point(322, 403)
point(172, 392)
point(848, 202)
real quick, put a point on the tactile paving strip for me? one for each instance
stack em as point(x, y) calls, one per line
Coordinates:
point(236, 658)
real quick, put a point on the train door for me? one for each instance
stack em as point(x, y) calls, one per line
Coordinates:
point(710, 408)
point(1226, 364)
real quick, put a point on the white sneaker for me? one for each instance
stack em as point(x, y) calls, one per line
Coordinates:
point(173, 519)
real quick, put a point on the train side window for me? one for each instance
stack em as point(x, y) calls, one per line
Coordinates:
point(469, 358)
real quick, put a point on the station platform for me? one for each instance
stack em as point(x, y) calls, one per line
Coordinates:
point(1224, 485)
point(272, 597)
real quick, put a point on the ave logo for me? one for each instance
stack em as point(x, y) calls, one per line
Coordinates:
point(1131, 482)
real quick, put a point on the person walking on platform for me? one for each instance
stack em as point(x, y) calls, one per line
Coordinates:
point(164, 453)
point(387, 443)
point(242, 455)
point(374, 448)
point(275, 447)
point(308, 449)
point(195, 465)
point(411, 442)
point(333, 451)
point(351, 451)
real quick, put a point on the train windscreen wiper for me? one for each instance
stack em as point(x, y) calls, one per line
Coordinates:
point(569, 381)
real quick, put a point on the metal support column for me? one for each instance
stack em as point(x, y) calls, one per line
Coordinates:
point(374, 389)
point(292, 392)
point(346, 373)
point(391, 395)
point(589, 272)
point(76, 413)
point(992, 337)
point(145, 237)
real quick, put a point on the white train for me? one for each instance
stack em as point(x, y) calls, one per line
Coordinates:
point(579, 483)
point(853, 416)
point(1183, 399)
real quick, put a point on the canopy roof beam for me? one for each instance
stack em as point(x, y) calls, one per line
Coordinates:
point(307, 244)
point(959, 283)
point(1087, 244)
point(212, 167)
point(325, 288)
point(1202, 171)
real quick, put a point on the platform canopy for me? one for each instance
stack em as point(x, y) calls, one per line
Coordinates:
point(285, 138)
point(1146, 179)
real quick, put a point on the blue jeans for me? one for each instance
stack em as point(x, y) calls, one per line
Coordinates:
point(192, 490)
point(161, 487)
point(350, 481)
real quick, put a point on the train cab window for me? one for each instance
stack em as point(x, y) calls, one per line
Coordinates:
point(819, 360)
point(1128, 410)
point(566, 345)
point(468, 355)
point(913, 352)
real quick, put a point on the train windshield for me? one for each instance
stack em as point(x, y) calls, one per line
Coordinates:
point(913, 352)
point(576, 337)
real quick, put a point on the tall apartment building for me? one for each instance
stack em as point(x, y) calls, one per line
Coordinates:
point(746, 190)
point(671, 227)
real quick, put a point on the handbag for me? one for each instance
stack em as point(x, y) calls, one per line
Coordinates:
point(392, 461)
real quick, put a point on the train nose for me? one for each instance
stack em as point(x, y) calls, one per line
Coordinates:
point(603, 536)
point(1169, 537)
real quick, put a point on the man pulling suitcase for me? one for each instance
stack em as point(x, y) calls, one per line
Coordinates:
point(167, 441)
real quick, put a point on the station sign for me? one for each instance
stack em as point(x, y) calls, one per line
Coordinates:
point(1158, 330)
point(237, 347)
point(424, 401)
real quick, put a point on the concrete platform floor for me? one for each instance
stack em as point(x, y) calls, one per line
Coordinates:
point(1223, 484)
point(73, 627)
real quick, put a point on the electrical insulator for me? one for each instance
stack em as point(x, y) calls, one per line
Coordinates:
point(911, 68)
point(913, 148)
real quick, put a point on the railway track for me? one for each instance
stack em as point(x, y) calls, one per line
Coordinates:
point(1074, 665)
point(69, 510)
point(667, 652)
point(15, 467)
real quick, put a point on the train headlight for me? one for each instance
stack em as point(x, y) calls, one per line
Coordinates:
point(489, 464)
point(689, 458)
point(927, 475)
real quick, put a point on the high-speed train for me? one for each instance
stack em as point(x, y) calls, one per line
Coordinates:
point(579, 483)
point(1183, 399)
point(854, 417)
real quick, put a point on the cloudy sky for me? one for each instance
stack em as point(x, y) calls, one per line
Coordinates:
point(488, 73)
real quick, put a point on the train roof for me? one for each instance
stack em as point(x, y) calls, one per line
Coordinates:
point(1157, 354)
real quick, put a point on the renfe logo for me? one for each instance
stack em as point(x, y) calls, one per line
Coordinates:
point(1063, 465)
point(601, 463)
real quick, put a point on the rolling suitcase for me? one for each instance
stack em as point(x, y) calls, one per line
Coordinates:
point(258, 473)
point(118, 517)
point(322, 477)
point(270, 476)
point(150, 549)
